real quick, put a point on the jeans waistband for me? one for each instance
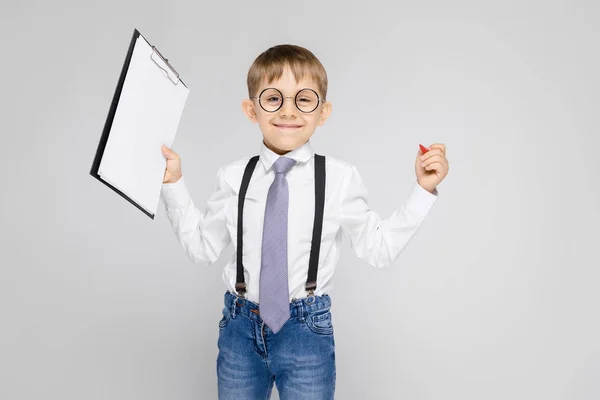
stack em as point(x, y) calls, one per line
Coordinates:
point(298, 308)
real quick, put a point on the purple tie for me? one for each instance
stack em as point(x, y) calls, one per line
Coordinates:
point(274, 292)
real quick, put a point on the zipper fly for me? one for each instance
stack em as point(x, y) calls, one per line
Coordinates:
point(262, 332)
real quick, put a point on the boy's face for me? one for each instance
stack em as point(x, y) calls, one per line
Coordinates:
point(287, 128)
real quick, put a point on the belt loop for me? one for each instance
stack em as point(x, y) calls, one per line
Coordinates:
point(233, 304)
point(300, 311)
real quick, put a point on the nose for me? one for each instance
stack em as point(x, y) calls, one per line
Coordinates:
point(287, 108)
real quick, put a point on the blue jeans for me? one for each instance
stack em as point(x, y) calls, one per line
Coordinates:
point(299, 359)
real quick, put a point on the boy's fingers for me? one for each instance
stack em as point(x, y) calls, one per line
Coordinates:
point(430, 153)
point(440, 146)
point(171, 155)
point(431, 158)
point(434, 166)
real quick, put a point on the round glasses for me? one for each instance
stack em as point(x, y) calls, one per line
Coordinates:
point(271, 100)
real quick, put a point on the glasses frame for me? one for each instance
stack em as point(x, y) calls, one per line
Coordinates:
point(319, 100)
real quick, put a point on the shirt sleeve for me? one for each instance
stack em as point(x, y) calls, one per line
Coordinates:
point(375, 240)
point(202, 234)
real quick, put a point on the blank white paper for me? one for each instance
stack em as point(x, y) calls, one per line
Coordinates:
point(147, 116)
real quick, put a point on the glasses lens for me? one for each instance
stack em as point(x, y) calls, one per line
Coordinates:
point(271, 100)
point(307, 100)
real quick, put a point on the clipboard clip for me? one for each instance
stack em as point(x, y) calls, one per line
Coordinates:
point(166, 61)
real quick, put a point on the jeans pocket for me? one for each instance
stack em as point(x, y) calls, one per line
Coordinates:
point(320, 322)
point(225, 319)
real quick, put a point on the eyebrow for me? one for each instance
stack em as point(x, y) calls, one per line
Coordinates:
point(299, 90)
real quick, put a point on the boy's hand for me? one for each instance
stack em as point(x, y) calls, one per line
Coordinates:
point(173, 169)
point(435, 166)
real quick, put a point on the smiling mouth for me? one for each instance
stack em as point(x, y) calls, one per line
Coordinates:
point(287, 127)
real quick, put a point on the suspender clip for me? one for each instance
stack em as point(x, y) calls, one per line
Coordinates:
point(240, 287)
point(310, 288)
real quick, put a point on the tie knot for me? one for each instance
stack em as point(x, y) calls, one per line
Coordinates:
point(283, 165)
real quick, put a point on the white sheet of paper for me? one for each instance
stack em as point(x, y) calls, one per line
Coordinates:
point(147, 116)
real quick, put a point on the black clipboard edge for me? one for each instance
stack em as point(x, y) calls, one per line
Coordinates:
point(108, 124)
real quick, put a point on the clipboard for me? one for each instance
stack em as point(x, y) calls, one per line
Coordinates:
point(144, 113)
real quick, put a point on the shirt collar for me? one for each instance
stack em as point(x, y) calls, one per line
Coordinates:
point(301, 154)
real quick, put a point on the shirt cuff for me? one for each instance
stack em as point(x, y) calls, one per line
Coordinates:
point(420, 201)
point(175, 195)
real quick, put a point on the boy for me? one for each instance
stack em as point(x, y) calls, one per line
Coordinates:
point(285, 212)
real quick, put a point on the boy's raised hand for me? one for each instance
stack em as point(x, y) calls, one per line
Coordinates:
point(173, 169)
point(432, 167)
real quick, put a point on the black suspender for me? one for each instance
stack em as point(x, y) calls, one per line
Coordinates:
point(311, 282)
point(240, 285)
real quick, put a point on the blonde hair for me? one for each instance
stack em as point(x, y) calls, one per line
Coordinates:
point(269, 65)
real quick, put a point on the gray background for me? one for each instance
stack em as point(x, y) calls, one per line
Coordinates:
point(496, 296)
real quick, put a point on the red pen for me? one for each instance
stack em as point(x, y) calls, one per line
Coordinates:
point(423, 149)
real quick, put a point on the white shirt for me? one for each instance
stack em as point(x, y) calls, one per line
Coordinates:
point(204, 233)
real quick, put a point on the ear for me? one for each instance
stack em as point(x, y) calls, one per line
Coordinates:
point(325, 111)
point(248, 108)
